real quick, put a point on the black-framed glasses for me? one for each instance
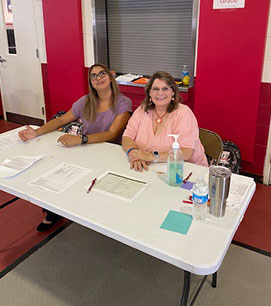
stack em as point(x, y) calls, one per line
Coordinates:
point(101, 75)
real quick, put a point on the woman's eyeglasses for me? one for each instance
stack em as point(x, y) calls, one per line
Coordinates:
point(101, 75)
point(164, 89)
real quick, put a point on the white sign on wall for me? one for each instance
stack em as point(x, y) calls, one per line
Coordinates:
point(224, 4)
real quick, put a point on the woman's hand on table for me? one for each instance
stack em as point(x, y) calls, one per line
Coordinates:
point(139, 165)
point(139, 160)
point(27, 134)
point(68, 140)
point(136, 155)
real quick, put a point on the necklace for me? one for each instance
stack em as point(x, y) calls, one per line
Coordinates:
point(160, 118)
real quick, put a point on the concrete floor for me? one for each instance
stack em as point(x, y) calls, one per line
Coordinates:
point(80, 267)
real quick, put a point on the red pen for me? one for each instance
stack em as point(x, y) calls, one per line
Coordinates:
point(187, 178)
point(92, 184)
point(188, 202)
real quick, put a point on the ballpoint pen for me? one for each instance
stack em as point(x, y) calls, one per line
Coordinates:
point(187, 178)
point(191, 202)
point(92, 184)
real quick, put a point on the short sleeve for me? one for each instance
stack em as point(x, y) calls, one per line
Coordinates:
point(77, 107)
point(187, 128)
point(133, 123)
point(124, 105)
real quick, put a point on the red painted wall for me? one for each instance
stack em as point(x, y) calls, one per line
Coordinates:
point(262, 130)
point(229, 95)
point(65, 56)
point(229, 70)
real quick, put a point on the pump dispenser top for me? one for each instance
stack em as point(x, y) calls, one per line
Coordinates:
point(175, 144)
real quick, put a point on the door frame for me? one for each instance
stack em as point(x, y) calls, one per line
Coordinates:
point(27, 119)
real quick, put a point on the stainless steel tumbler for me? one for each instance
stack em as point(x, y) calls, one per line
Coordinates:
point(219, 185)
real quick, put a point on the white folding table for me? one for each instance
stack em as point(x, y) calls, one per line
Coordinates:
point(137, 224)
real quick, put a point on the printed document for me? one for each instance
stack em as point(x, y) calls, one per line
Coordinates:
point(60, 178)
point(17, 164)
point(9, 139)
point(238, 189)
point(119, 186)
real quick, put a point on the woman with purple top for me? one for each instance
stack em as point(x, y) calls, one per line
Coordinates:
point(104, 113)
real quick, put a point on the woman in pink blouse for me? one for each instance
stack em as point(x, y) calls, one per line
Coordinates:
point(146, 140)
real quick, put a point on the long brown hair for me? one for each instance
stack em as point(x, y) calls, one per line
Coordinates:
point(92, 103)
point(166, 77)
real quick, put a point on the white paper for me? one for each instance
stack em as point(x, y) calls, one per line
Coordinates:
point(226, 4)
point(60, 178)
point(239, 187)
point(10, 139)
point(128, 77)
point(17, 164)
point(119, 186)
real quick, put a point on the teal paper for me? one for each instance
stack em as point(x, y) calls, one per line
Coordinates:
point(178, 222)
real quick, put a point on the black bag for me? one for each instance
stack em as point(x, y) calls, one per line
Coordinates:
point(74, 127)
point(231, 156)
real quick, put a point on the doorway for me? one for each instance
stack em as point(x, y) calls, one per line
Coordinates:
point(20, 67)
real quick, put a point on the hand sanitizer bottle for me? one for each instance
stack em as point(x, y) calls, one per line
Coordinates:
point(175, 163)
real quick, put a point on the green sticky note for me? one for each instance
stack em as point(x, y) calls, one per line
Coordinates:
point(177, 222)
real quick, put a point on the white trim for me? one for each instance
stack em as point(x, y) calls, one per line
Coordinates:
point(87, 20)
point(38, 16)
point(267, 160)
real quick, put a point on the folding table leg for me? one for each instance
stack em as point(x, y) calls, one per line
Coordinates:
point(214, 280)
point(9, 202)
point(186, 288)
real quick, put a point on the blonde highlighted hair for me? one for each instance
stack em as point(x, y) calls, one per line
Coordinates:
point(92, 103)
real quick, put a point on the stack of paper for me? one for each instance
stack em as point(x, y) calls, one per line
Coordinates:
point(9, 139)
point(17, 164)
point(127, 77)
point(238, 190)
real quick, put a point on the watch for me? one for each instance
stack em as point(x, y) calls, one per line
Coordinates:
point(84, 139)
point(156, 156)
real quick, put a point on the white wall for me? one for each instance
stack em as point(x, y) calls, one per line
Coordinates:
point(87, 11)
point(266, 76)
point(38, 12)
point(7, 15)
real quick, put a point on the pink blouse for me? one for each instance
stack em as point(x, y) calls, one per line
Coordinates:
point(180, 121)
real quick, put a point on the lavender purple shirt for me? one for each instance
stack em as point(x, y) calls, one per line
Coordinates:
point(103, 120)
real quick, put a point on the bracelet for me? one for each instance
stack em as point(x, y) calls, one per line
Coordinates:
point(128, 151)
